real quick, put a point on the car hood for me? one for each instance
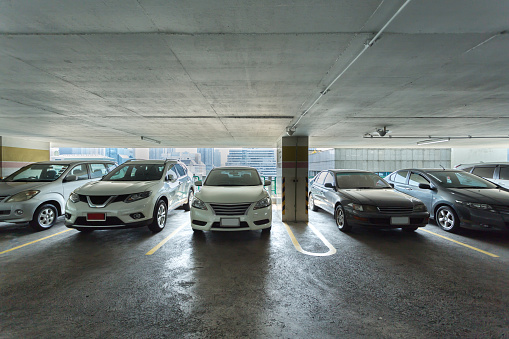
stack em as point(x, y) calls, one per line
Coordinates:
point(488, 196)
point(231, 194)
point(115, 187)
point(12, 187)
point(380, 197)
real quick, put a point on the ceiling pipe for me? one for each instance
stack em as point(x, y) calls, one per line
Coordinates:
point(372, 136)
point(367, 45)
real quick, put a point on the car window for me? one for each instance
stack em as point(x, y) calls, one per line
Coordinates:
point(171, 172)
point(80, 171)
point(97, 170)
point(233, 177)
point(400, 177)
point(485, 171)
point(38, 172)
point(110, 167)
point(136, 172)
point(348, 180)
point(504, 173)
point(416, 179)
point(320, 177)
point(179, 170)
point(460, 180)
point(329, 179)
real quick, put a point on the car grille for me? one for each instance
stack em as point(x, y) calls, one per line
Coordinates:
point(101, 199)
point(396, 210)
point(230, 209)
point(501, 209)
point(5, 212)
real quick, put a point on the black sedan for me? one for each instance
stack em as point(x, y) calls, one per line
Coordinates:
point(363, 198)
point(456, 198)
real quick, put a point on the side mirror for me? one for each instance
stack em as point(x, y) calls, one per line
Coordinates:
point(70, 178)
point(425, 186)
point(329, 185)
point(198, 183)
point(267, 183)
point(170, 178)
point(392, 185)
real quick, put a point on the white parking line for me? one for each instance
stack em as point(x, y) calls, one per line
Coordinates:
point(297, 246)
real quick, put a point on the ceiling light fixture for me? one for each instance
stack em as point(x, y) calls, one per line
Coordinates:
point(432, 141)
point(150, 140)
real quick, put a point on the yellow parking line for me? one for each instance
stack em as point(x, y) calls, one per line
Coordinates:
point(297, 246)
point(152, 251)
point(460, 243)
point(33, 242)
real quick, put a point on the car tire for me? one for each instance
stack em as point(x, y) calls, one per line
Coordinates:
point(190, 197)
point(266, 230)
point(447, 219)
point(84, 229)
point(340, 218)
point(312, 205)
point(159, 217)
point(409, 229)
point(45, 216)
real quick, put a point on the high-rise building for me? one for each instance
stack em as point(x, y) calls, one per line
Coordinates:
point(263, 159)
point(161, 153)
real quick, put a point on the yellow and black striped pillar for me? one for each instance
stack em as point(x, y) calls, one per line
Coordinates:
point(293, 173)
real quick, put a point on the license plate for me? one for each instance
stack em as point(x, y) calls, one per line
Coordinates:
point(230, 222)
point(96, 216)
point(400, 220)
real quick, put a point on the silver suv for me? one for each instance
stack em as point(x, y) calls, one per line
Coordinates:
point(496, 172)
point(37, 192)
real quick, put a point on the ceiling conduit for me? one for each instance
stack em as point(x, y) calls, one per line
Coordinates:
point(290, 129)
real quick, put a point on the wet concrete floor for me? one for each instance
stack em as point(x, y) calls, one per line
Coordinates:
point(301, 281)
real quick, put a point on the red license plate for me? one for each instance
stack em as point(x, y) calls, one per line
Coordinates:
point(96, 216)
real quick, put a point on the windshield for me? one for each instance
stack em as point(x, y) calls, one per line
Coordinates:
point(136, 172)
point(38, 172)
point(451, 179)
point(360, 180)
point(233, 177)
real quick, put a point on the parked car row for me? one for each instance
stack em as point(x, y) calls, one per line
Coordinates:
point(98, 195)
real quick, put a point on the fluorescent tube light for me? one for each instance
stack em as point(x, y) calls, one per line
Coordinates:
point(150, 140)
point(432, 141)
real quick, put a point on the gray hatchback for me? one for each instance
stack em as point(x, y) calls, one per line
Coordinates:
point(37, 192)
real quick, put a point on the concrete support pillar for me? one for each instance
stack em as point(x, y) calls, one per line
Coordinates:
point(16, 153)
point(292, 178)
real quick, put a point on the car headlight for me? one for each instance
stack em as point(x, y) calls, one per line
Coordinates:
point(23, 196)
point(363, 208)
point(265, 202)
point(197, 203)
point(420, 208)
point(475, 205)
point(74, 197)
point(137, 196)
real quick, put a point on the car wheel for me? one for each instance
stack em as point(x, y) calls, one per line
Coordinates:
point(447, 219)
point(159, 217)
point(190, 198)
point(266, 230)
point(339, 216)
point(410, 229)
point(84, 230)
point(312, 205)
point(44, 217)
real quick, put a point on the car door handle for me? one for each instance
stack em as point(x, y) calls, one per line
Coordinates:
point(408, 189)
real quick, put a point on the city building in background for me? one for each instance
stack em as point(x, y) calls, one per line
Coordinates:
point(263, 159)
point(211, 157)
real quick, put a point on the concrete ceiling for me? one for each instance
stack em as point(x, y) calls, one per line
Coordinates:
point(228, 73)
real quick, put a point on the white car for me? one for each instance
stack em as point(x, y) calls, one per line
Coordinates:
point(232, 199)
point(137, 193)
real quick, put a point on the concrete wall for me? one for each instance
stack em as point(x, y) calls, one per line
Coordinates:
point(473, 155)
point(16, 153)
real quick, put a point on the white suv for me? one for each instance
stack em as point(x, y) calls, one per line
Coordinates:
point(137, 193)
